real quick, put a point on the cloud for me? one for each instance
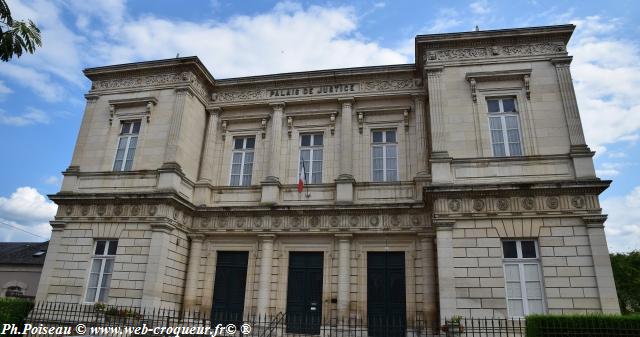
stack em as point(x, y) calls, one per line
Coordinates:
point(32, 116)
point(605, 82)
point(480, 7)
point(447, 18)
point(4, 90)
point(53, 180)
point(27, 206)
point(26, 210)
point(287, 38)
point(623, 225)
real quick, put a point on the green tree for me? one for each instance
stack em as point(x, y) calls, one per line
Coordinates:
point(16, 36)
point(626, 272)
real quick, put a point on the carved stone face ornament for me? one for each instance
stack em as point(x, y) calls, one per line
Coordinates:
point(552, 202)
point(502, 204)
point(454, 205)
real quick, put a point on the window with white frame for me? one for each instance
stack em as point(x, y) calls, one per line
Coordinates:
point(522, 278)
point(504, 127)
point(127, 142)
point(242, 161)
point(311, 158)
point(104, 255)
point(384, 155)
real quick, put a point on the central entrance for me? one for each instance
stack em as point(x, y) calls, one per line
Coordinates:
point(304, 292)
point(386, 302)
point(229, 287)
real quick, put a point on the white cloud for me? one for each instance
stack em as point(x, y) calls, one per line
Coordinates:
point(480, 7)
point(447, 18)
point(26, 210)
point(4, 90)
point(623, 225)
point(53, 180)
point(31, 116)
point(287, 38)
point(27, 206)
point(605, 81)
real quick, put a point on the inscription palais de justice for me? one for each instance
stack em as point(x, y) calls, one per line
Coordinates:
point(325, 89)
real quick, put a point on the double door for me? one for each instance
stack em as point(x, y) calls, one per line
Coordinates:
point(386, 294)
point(304, 293)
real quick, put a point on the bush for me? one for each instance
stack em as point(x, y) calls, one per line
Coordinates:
point(14, 310)
point(594, 325)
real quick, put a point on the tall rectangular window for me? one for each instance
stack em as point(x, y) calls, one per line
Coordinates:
point(522, 278)
point(504, 127)
point(127, 142)
point(384, 155)
point(242, 161)
point(311, 158)
point(101, 270)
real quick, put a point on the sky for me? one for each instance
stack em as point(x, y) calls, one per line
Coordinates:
point(42, 102)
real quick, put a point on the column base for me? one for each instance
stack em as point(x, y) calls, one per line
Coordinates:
point(441, 168)
point(344, 189)
point(582, 158)
point(270, 191)
point(202, 193)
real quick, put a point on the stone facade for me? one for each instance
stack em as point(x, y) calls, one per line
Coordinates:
point(449, 210)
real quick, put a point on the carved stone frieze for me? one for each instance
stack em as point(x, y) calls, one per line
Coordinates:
point(171, 78)
point(525, 49)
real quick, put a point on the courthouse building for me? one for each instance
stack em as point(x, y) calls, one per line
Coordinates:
point(458, 184)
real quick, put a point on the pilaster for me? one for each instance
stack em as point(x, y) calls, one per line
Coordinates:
point(344, 274)
point(345, 181)
point(57, 227)
point(84, 130)
point(207, 162)
point(602, 263)
point(264, 281)
point(191, 285)
point(429, 309)
point(173, 137)
point(421, 136)
point(156, 266)
point(271, 184)
point(446, 286)
point(439, 159)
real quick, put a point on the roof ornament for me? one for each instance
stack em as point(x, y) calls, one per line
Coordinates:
point(477, 28)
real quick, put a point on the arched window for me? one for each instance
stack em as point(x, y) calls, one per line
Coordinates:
point(14, 291)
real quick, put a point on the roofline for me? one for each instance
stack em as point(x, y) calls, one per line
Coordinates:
point(317, 74)
point(163, 63)
point(565, 31)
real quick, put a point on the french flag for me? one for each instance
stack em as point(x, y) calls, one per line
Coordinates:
point(302, 177)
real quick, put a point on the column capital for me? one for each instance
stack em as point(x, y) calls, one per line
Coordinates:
point(215, 111)
point(91, 98)
point(433, 70)
point(347, 100)
point(266, 237)
point(162, 227)
point(419, 97)
point(196, 237)
point(277, 105)
point(594, 221)
point(344, 237)
point(564, 61)
point(57, 225)
point(443, 224)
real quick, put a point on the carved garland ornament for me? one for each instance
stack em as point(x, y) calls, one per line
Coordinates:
point(484, 52)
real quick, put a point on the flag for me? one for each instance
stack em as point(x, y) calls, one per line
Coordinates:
point(302, 176)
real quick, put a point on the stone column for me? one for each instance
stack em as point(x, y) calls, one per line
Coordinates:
point(206, 175)
point(439, 159)
point(428, 277)
point(580, 152)
point(271, 184)
point(344, 274)
point(446, 277)
point(602, 263)
point(156, 266)
point(175, 124)
point(193, 271)
point(345, 181)
point(57, 227)
point(264, 282)
point(421, 135)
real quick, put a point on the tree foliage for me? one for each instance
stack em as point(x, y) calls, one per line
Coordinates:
point(626, 272)
point(16, 36)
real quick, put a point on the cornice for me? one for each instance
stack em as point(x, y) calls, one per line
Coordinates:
point(518, 189)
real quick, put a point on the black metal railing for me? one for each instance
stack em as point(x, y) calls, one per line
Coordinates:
point(101, 320)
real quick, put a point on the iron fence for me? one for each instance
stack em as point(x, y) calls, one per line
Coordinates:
point(123, 321)
point(101, 320)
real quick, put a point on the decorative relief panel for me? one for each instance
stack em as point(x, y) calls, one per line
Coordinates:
point(185, 77)
point(338, 89)
point(494, 51)
point(527, 204)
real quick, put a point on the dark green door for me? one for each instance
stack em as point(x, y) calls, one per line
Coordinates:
point(229, 287)
point(386, 302)
point(304, 292)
